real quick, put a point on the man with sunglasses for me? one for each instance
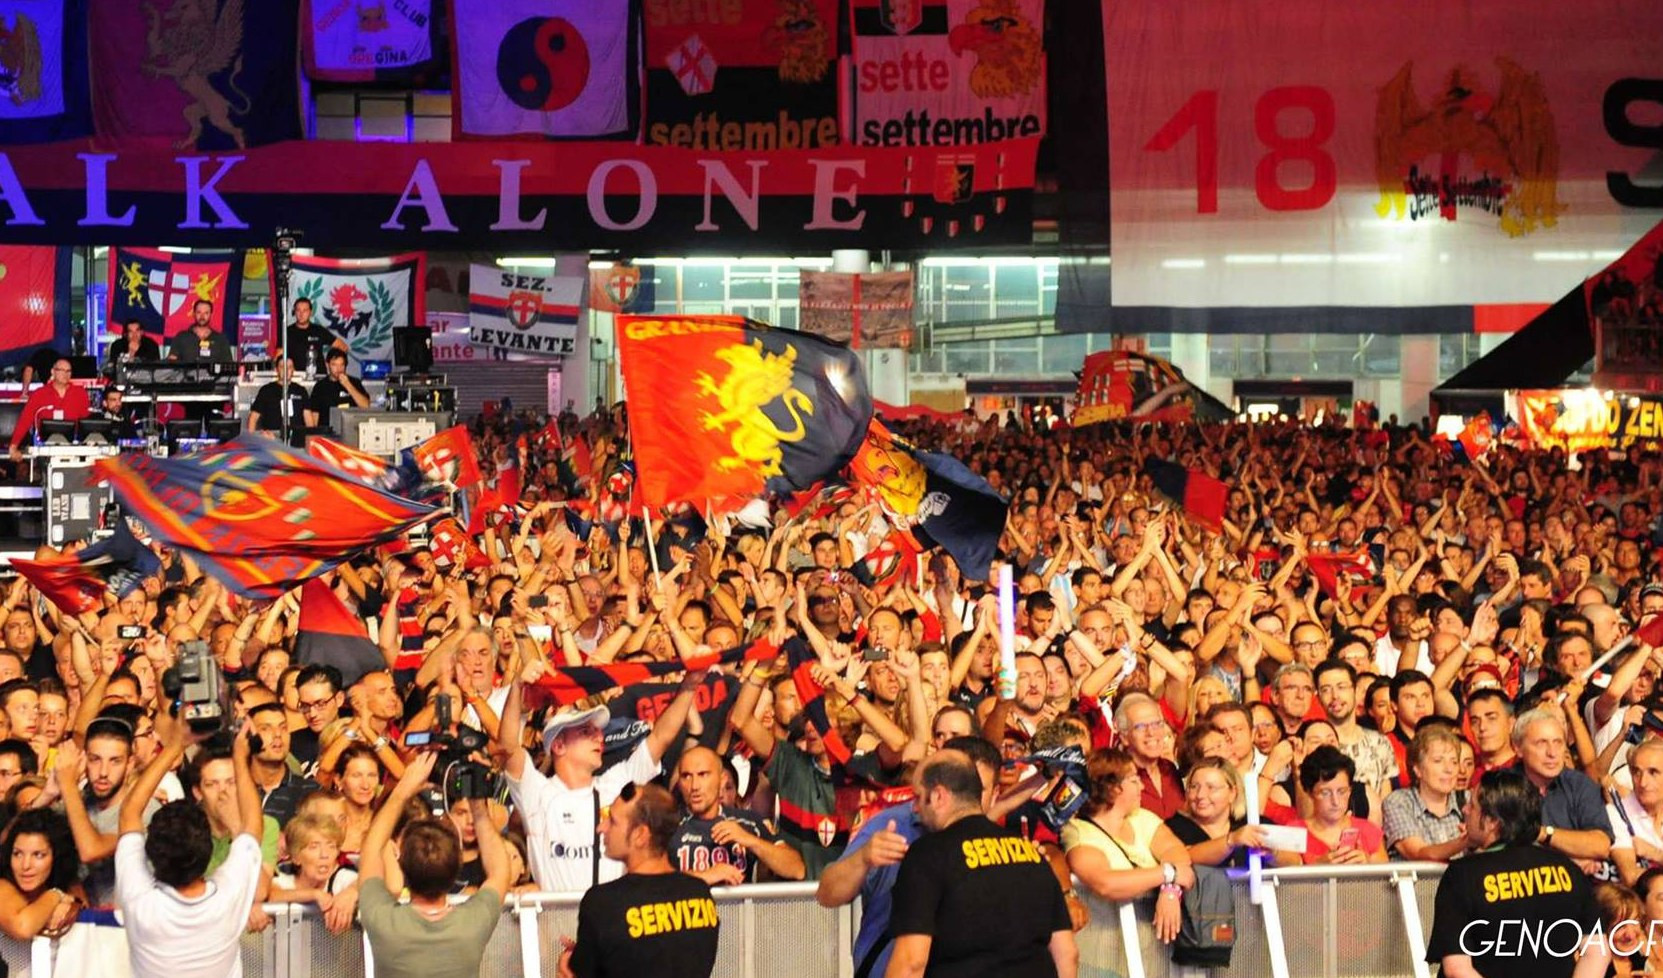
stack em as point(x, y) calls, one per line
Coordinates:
point(562, 809)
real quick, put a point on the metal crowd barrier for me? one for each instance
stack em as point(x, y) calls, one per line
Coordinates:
point(1329, 921)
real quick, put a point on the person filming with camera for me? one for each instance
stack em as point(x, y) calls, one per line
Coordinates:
point(429, 937)
point(182, 922)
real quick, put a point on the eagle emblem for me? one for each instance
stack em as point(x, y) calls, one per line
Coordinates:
point(755, 379)
point(20, 60)
point(190, 44)
point(802, 40)
point(1009, 55)
point(1507, 139)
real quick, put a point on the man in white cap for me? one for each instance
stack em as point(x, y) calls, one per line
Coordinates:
point(562, 812)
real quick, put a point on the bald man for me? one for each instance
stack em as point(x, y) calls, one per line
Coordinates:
point(720, 845)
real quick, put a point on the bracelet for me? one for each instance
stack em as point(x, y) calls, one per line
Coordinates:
point(380, 744)
point(1171, 890)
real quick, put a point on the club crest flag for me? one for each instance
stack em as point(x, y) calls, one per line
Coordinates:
point(77, 582)
point(159, 288)
point(367, 40)
point(196, 74)
point(43, 71)
point(362, 299)
point(622, 287)
point(532, 314)
point(871, 309)
point(948, 72)
point(724, 406)
point(34, 300)
point(258, 515)
point(742, 74)
point(560, 68)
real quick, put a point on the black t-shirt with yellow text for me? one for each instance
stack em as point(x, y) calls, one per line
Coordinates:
point(1518, 910)
point(664, 925)
point(985, 897)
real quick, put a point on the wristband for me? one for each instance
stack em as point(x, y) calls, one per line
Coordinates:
point(380, 744)
point(1171, 890)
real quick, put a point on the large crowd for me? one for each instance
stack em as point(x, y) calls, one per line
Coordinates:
point(1376, 622)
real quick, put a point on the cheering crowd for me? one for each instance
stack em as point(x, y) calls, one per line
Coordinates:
point(1382, 643)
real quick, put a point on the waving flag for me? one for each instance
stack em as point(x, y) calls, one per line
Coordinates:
point(197, 74)
point(723, 406)
point(1327, 568)
point(574, 683)
point(1477, 437)
point(941, 500)
point(564, 68)
point(329, 634)
point(370, 40)
point(256, 514)
point(43, 71)
point(453, 547)
point(159, 289)
point(1197, 493)
point(77, 582)
point(34, 300)
point(371, 469)
point(448, 457)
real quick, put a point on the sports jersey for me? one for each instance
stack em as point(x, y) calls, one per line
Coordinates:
point(694, 850)
point(560, 822)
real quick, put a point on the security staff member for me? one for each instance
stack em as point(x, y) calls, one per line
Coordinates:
point(339, 389)
point(1513, 907)
point(653, 920)
point(973, 899)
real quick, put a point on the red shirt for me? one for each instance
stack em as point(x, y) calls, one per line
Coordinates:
point(1163, 793)
point(47, 403)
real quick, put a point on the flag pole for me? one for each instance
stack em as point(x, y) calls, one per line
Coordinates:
point(652, 547)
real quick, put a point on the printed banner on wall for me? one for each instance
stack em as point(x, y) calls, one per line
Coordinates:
point(1118, 385)
point(874, 309)
point(1356, 155)
point(1625, 311)
point(1582, 419)
point(525, 313)
point(362, 299)
point(367, 40)
point(530, 195)
point(43, 71)
point(34, 300)
point(948, 72)
point(204, 74)
point(623, 287)
point(561, 68)
point(161, 288)
point(742, 74)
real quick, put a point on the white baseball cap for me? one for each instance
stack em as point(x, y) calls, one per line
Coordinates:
point(595, 716)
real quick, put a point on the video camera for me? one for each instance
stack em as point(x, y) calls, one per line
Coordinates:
point(455, 773)
point(197, 688)
point(1067, 765)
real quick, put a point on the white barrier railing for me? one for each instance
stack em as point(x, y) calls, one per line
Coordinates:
point(1373, 921)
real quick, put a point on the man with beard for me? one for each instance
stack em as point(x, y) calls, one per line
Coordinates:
point(1027, 711)
point(280, 787)
point(1368, 749)
point(719, 845)
point(95, 814)
point(337, 389)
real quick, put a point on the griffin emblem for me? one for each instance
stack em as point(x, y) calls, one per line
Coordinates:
point(191, 43)
point(1509, 138)
point(755, 378)
point(135, 283)
point(20, 60)
point(1007, 48)
point(803, 42)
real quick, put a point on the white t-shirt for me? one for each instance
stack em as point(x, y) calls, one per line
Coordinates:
point(170, 936)
point(560, 823)
point(1386, 658)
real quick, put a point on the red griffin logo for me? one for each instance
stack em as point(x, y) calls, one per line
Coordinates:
point(1497, 152)
point(524, 308)
point(343, 311)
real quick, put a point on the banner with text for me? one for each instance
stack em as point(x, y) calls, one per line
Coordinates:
point(362, 299)
point(1583, 419)
point(948, 72)
point(872, 309)
point(1366, 155)
point(742, 74)
point(520, 313)
point(367, 40)
point(526, 195)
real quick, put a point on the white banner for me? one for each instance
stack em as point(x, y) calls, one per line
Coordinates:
point(361, 300)
point(525, 313)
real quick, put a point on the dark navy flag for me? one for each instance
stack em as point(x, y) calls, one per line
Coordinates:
point(43, 71)
point(77, 582)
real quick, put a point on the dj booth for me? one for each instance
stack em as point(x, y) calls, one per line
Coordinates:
point(182, 407)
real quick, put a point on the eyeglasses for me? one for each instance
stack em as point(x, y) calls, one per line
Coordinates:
point(314, 705)
point(1148, 726)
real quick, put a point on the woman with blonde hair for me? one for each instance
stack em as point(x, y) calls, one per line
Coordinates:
point(1212, 825)
point(1206, 693)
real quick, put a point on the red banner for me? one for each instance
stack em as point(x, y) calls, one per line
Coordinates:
point(530, 195)
point(34, 299)
point(1116, 385)
point(1375, 154)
